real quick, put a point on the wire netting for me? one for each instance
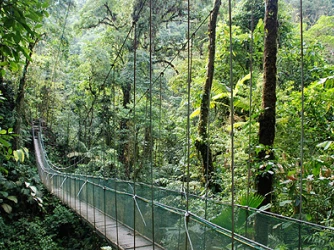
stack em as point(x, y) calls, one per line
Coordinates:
point(116, 200)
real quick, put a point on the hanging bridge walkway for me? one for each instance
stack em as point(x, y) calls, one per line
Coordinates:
point(139, 216)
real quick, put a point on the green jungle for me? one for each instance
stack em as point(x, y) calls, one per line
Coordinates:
point(199, 113)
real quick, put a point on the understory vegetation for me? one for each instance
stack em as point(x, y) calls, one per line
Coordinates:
point(110, 108)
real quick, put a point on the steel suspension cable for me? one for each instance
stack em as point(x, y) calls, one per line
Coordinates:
point(118, 55)
point(183, 46)
point(186, 42)
point(135, 130)
point(250, 112)
point(60, 43)
point(151, 124)
point(114, 157)
point(160, 121)
point(232, 120)
point(189, 78)
point(207, 177)
point(123, 44)
point(301, 122)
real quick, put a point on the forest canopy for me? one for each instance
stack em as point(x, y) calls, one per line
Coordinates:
point(119, 95)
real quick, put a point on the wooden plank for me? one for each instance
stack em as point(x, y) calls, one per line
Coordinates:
point(115, 232)
point(98, 220)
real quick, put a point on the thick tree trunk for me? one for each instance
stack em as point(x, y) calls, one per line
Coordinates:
point(202, 143)
point(267, 119)
point(19, 102)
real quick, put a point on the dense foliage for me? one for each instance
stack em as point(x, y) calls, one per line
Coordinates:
point(80, 81)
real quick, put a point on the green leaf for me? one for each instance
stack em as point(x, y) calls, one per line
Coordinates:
point(265, 207)
point(198, 110)
point(239, 124)
point(195, 113)
point(252, 200)
point(283, 203)
point(325, 145)
point(33, 189)
point(17, 37)
point(220, 96)
point(4, 143)
point(19, 155)
point(34, 16)
point(8, 209)
point(14, 66)
point(12, 198)
point(7, 51)
point(4, 194)
point(26, 151)
point(240, 83)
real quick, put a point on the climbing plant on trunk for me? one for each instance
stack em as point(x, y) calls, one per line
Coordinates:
point(19, 102)
point(267, 119)
point(202, 143)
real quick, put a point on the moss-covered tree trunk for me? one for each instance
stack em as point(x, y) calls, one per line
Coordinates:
point(267, 119)
point(202, 143)
point(19, 102)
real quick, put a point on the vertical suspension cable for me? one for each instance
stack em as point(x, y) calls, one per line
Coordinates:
point(105, 209)
point(135, 130)
point(207, 178)
point(115, 155)
point(250, 100)
point(189, 50)
point(301, 123)
point(151, 125)
point(232, 119)
point(58, 50)
point(160, 119)
point(251, 47)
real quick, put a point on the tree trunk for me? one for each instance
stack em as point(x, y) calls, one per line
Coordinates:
point(19, 102)
point(267, 119)
point(202, 144)
point(123, 156)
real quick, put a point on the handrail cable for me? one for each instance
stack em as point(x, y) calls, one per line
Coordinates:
point(294, 220)
point(223, 203)
point(97, 183)
point(175, 210)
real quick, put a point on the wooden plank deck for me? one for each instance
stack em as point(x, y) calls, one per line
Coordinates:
point(105, 225)
point(118, 234)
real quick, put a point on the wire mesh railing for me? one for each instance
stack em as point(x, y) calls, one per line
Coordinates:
point(115, 199)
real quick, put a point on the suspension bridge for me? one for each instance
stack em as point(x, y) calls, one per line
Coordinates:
point(142, 216)
point(134, 215)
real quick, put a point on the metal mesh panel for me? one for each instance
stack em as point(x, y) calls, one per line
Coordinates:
point(110, 203)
